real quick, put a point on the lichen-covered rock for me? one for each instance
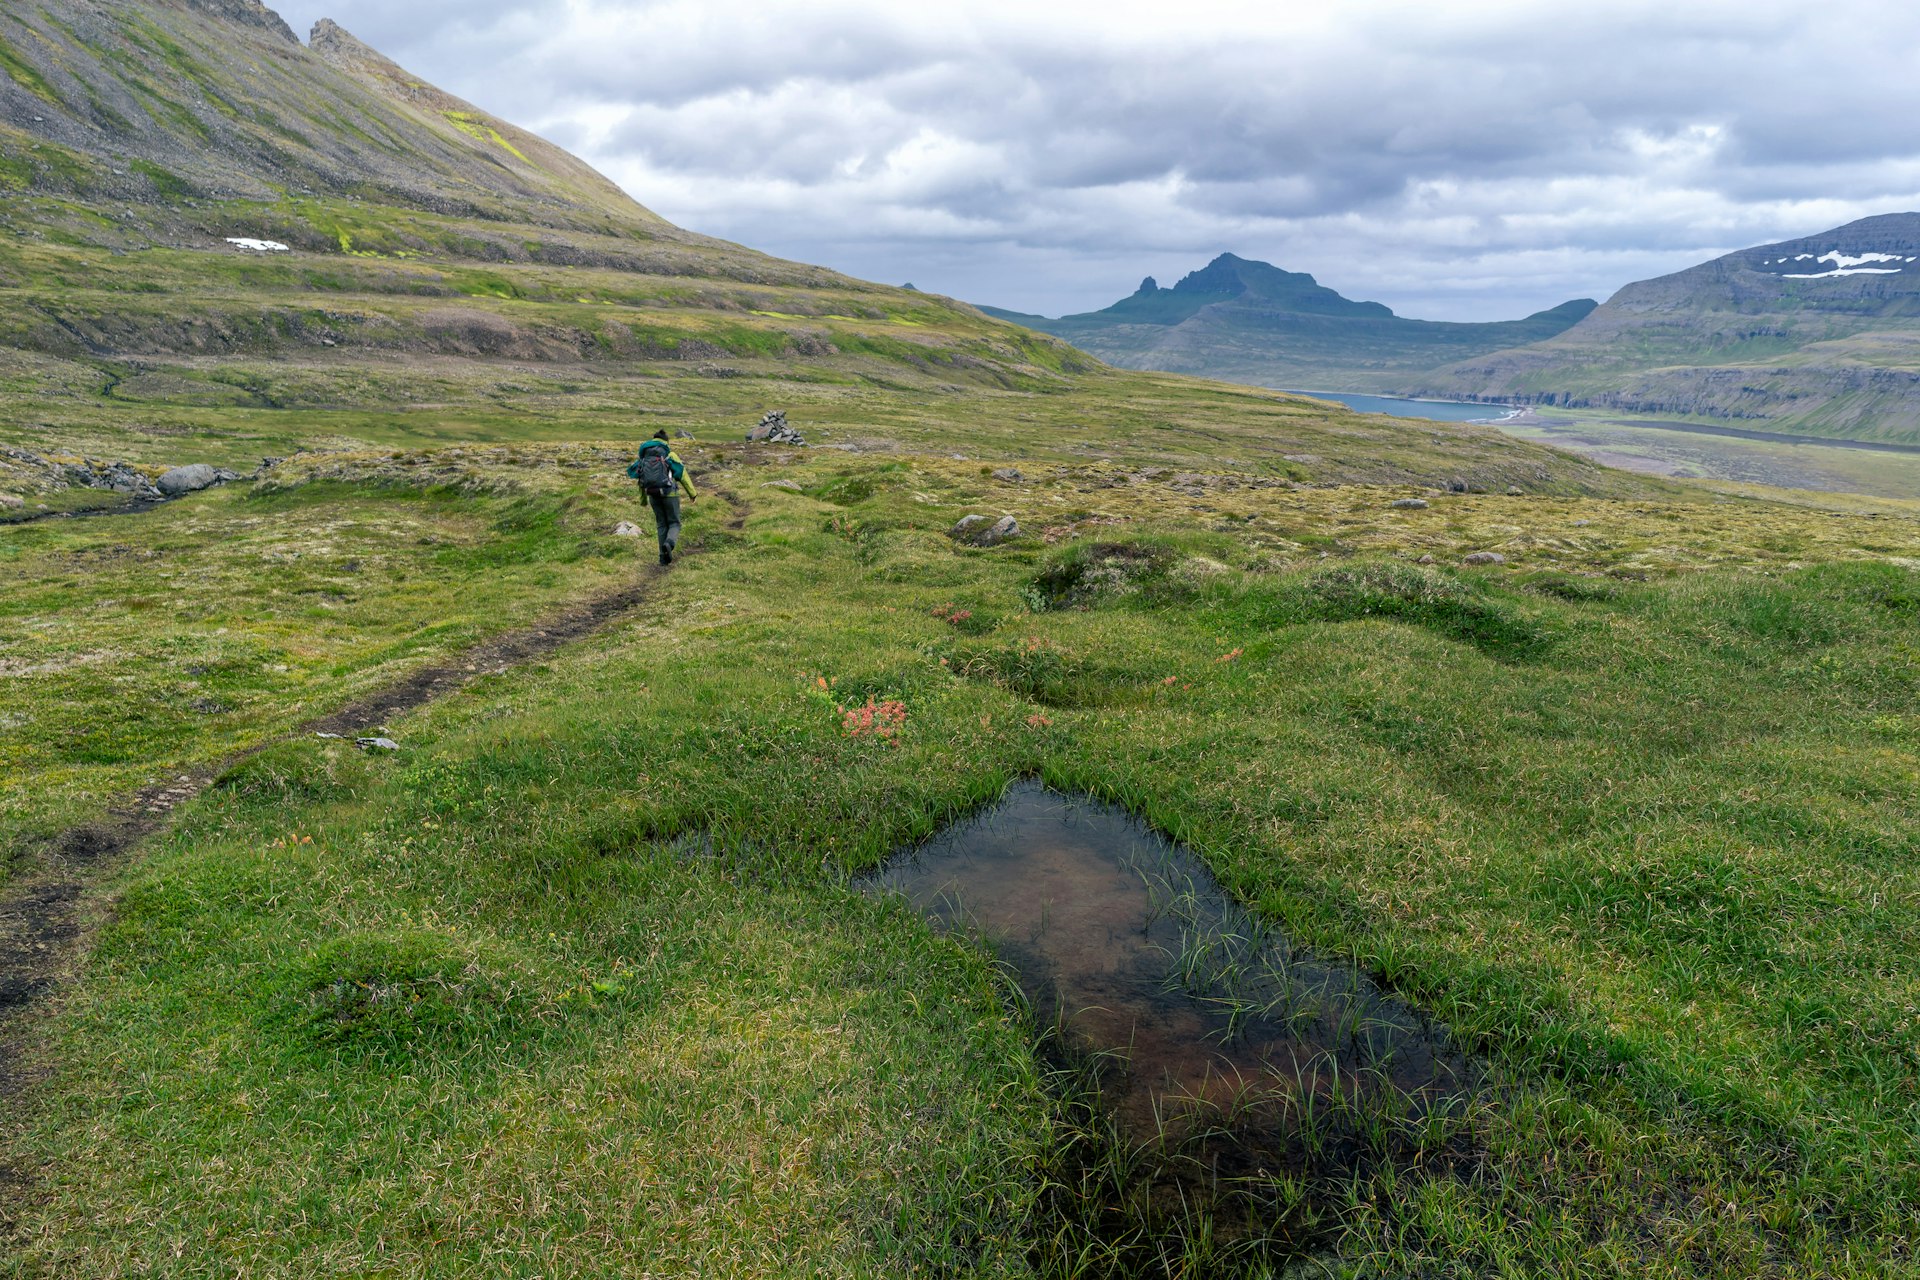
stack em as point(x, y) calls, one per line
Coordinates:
point(10, 503)
point(984, 531)
point(627, 529)
point(1008, 475)
point(1486, 557)
point(1410, 504)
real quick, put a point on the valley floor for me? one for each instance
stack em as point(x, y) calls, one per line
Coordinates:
point(581, 980)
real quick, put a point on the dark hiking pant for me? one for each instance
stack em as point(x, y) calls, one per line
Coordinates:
point(666, 518)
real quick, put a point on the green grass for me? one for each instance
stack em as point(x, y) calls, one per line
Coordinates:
point(208, 625)
point(580, 983)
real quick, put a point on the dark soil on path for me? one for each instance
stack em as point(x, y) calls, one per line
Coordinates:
point(46, 916)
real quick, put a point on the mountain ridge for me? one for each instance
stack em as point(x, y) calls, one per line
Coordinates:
point(1818, 335)
point(1250, 321)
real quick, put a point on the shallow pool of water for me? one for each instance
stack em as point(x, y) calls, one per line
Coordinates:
point(1206, 1017)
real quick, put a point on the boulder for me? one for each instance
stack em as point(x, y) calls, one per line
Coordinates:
point(984, 531)
point(627, 529)
point(376, 744)
point(191, 478)
point(1007, 475)
point(1485, 557)
point(1410, 504)
point(10, 503)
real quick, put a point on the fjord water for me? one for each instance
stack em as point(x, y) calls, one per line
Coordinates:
point(1216, 1042)
point(1434, 410)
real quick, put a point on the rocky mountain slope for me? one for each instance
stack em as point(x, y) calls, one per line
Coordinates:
point(187, 182)
point(210, 228)
point(1819, 336)
point(1253, 322)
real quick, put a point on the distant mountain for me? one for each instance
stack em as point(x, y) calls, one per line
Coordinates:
point(1253, 322)
point(1818, 336)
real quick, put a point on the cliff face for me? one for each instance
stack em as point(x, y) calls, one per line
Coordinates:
point(1819, 335)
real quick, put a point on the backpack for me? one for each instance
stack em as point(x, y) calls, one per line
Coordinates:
point(652, 468)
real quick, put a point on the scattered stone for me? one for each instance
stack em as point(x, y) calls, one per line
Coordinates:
point(1456, 486)
point(788, 485)
point(1485, 557)
point(1515, 491)
point(10, 503)
point(773, 429)
point(627, 529)
point(1007, 475)
point(376, 744)
point(683, 433)
point(1581, 524)
point(1426, 559)
point(332, 737)
point(984, 531)
point(1410, 504)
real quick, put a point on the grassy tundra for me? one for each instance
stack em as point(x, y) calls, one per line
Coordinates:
point(581, 981)
point(578, 981)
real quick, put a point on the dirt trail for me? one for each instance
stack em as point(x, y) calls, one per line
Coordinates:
point(45, 915)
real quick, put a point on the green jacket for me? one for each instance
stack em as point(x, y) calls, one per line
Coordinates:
point(677, 467)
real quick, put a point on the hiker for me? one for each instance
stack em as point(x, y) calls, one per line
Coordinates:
point(660, 472)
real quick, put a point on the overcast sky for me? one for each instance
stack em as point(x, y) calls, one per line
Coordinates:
point(1456, 160)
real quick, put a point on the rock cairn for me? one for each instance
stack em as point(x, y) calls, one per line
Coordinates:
point(773, 429)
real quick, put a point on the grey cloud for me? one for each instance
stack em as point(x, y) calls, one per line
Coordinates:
point(1466, 160)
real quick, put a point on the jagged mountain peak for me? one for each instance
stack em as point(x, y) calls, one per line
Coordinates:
point(154, 102)
point(250, 13)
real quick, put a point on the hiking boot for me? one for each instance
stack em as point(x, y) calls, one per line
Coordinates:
point(666, 556)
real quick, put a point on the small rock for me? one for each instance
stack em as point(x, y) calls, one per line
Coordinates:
point(1581, 524)
point(1007, 475)
point(1515, 491)
point(10, 503)
point(1426, 559)
point(984, 531)
point(334, 737)
point(376, 744)
point(1410, 504)
point(188, 479)
point(782, 484)
point(1456, 486)
point(683, 433)
point(627, 529)
point(1005, 529)
point(1485, 557)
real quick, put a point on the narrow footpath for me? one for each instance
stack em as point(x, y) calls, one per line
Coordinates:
point(48, 916)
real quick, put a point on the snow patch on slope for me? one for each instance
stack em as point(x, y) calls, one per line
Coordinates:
point(1845, 265)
